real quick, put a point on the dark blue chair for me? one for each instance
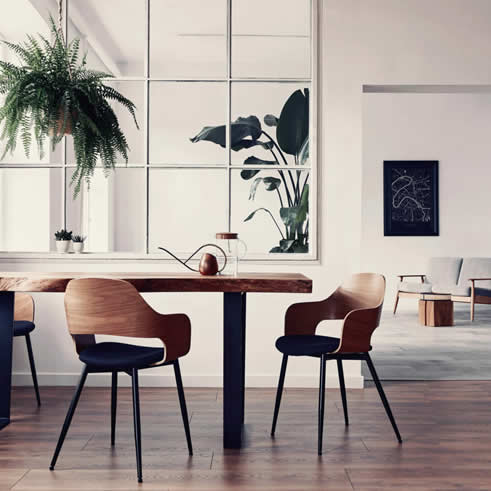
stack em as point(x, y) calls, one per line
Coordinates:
point(23, 326)
point(114, 307)
point(359, 303)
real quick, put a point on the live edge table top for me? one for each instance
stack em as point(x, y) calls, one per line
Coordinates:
point(163, 282)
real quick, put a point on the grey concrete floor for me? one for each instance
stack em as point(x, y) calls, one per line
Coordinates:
point(405, 350)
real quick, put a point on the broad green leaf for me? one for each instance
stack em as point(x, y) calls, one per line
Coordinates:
point(240, 129)
point(251, 215)
point(293, 124)
point(270, 120)
point(254, 185)
point(251, 143)
point(271, 183)
point(255, 161)
point(286, 244)
point(290, 246)
point(299, 248)
point(270, 215)
point(215, 134)
point(303, 153)
point(295, 215)
point(304, 205)
point(252, 123)
point(247, 174)
point(289, 215)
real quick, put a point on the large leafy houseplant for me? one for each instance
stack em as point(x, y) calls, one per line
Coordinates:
point(53, 93)
point(291, 185)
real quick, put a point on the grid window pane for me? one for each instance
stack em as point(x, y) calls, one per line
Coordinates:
point(30, 209)
point(187, 208)
point(112, 33)
point(269, 227)
point(263, 99)
point(178, 112)
point(271, 38)
point(111, 214)
point(188, 38)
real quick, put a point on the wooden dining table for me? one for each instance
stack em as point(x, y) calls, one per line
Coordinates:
point(234, 289)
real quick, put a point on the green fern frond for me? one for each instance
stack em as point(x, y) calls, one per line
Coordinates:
point(52, 91)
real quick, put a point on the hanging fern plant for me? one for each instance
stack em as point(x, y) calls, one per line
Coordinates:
point(53, 93)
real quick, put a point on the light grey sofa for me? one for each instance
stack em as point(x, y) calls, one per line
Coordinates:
point(460, 279)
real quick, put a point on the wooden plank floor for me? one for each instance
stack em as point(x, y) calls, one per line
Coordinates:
point(446, 427)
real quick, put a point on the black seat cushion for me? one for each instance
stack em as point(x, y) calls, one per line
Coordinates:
point(21, 328)
point(301, 345)
point(121, 356)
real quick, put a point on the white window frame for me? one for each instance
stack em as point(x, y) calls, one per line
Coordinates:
point(276, 258)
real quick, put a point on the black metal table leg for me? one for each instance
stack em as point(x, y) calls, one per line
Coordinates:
point(234, 306)
point(6, 335)
point(243, 328)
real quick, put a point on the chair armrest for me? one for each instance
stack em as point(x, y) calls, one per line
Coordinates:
point(175, 334)
point(303, 318)
point(479, 279)
point(357, 330)
point(402, 276)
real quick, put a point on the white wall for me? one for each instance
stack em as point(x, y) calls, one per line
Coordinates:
point(452, 128)
point(362, 42)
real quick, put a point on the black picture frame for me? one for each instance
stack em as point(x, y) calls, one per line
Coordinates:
point(411, 198)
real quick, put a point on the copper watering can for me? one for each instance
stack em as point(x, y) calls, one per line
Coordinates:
point(208, 264)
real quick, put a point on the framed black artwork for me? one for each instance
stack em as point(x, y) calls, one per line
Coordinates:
point(411, 197)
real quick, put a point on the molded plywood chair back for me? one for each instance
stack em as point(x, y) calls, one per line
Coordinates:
point(114, 307)
point(358, 301)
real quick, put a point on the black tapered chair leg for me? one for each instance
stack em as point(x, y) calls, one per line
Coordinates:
point(342, 386)
point(279, 393)
point(322, 396)
point(33, 368)
point(114, 402)
point(381, 392)
point(69, 416)
point(137, 423)
point(182, 403)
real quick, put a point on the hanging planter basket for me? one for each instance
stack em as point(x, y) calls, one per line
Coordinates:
point(62, 128)
point(53, 94)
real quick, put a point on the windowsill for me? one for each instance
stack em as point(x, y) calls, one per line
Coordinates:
point(106, 257)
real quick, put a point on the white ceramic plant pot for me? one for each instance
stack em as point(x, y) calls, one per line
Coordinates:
point(62, 245)
point(78, 247)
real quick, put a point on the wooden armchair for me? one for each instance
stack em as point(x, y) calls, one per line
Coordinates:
point(114, 307)
point(358, 302)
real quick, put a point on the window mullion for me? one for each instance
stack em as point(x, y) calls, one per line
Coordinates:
point(63, 142)
point(229, 113)
point(146, 110)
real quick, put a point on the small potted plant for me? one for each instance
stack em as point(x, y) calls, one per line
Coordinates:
point(63, 239)
point(78, 243)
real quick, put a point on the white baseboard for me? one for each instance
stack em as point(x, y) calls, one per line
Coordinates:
point(158, 380)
